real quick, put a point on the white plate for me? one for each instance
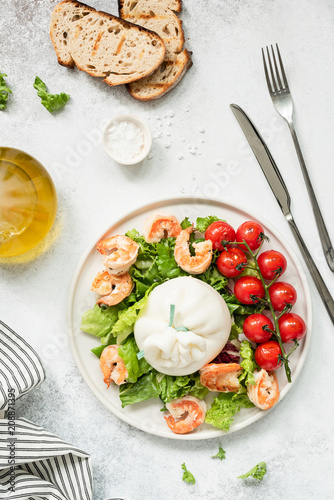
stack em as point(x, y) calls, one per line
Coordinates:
point(147, 416)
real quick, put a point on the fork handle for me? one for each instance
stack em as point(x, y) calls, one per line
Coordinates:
point(316, 276)
point(324, 237)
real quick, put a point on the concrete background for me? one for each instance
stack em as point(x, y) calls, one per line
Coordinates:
point(198, 149)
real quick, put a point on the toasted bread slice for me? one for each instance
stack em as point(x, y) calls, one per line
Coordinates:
point(104, 45)
point(159, 16)
point(63, 16)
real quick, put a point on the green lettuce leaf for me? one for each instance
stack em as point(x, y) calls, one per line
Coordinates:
point(98, 321)
point(213, 278)
point(174, 387)
point(145, 388)
point(220, 454)
point(256, 472)
point(135, 367)
point(4, 91)
point(251, 269)
point(202, 223)
point(185, 223)
point(127, 318)
point(197, 390)
point(236, 308)
point(166, 262)
point(52, 102)
point(187, 475)
point(224, 408)
point(98, 350)
point(248, 363)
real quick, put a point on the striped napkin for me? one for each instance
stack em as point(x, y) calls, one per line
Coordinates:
point(34, 464)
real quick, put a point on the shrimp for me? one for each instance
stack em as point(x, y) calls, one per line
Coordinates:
point(113, 288)
point(198, 263)
point(120, 252)
point(113, 366)
point(189, 412)
point(265, 393)
point(157, 227)
point(221, 377)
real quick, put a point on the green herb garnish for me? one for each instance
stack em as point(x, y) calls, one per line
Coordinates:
point(256, 472)
point(220, 454)
point(52, 102)
point(187, 476)
point(4, 91)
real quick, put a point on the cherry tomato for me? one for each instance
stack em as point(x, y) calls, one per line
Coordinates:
point(271, 263)
point(247, 287)
point(291, 327)
point(253, 328)
point(250, 231)
point(281, 294)
point(229, 260)
point(266, 355)
point(219, 231)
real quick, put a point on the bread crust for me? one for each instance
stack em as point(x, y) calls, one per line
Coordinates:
point(161, 88)
point(177, 9)
point(159, 16)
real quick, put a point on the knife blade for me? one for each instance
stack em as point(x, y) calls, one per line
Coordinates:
point(278, 187)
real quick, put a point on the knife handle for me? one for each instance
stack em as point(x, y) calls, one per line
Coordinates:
point(318, 281)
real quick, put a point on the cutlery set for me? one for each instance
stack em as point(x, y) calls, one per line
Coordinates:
point(280, 93)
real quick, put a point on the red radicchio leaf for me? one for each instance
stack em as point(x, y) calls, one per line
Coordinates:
point(230, 354)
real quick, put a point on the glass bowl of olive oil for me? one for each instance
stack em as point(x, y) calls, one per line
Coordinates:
point(28, 202)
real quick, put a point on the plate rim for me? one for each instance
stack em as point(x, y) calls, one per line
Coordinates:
point(184, 200)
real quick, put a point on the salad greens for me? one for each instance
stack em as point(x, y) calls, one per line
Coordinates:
point(225, 406)
point(202, 223)
point(248, 363)
point(220, 454)
point(156, 264)
point(4, 91)
point(143, 382)
point(256, 472)
point(187, 475)
point(52, 102)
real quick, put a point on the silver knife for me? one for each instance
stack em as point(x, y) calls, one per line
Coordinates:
point(277, 184)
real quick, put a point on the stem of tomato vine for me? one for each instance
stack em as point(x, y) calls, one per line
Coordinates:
point(284, 356)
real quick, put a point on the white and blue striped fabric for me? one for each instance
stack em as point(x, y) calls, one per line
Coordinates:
point(34, 464)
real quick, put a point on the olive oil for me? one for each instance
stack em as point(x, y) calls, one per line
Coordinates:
point(28, 202)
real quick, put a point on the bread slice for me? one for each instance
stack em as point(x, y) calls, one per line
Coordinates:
point(63, 16)
point(104, 45)
point(159, 16)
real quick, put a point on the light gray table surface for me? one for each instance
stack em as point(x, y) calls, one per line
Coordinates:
point(198, 149)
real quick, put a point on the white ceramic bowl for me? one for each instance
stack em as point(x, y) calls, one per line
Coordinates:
point(147, 140)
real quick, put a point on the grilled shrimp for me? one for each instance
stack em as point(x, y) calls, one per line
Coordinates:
point(113, 288)
point(265, 393)
point(221, 377)
point(157, 227)
point(112, 366)
point(186, 414)
point(120, 252)
point(198, 263)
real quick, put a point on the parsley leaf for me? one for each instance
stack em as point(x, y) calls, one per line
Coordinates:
point(4, 91)
point(187, 476)
point(256, 472)
point(52, 102)
point(220, 454)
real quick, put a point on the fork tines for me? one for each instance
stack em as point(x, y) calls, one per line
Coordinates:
point(275, 83)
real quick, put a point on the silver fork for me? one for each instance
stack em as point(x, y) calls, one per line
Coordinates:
point(280, 94)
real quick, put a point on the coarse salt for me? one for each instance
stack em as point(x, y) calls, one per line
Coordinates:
point(126, 140)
